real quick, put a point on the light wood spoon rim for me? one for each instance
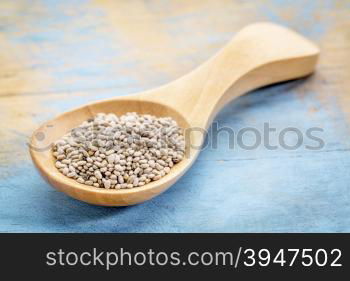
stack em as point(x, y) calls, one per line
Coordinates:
point(58, 176)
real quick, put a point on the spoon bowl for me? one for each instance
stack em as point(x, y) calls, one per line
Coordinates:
point(40, 148)
point(259, 55)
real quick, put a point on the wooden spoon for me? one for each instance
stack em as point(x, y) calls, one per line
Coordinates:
point(260, 54)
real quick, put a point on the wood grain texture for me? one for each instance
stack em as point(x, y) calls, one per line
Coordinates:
point(56, 56)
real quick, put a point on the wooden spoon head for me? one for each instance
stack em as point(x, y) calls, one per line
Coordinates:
point(48, 133)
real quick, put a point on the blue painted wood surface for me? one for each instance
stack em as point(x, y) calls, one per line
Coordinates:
point(56, 55)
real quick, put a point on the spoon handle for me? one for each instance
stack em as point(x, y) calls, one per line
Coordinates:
point(260, 54)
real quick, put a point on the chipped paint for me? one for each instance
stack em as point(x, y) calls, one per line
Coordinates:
point(58, 54)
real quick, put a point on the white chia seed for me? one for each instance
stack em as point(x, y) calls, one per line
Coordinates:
point(114, 152)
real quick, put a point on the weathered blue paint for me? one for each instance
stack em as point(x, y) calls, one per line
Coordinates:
point(227, 190)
